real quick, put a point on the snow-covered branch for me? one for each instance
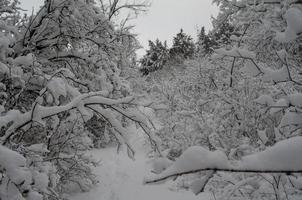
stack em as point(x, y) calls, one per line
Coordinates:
point(283, 157)
point(41, 112)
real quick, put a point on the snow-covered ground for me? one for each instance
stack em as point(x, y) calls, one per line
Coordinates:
point(122, 178)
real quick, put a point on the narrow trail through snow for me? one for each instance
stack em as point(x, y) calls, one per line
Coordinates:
point(121, 178)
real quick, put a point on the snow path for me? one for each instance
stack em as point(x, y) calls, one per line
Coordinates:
point(121, 178)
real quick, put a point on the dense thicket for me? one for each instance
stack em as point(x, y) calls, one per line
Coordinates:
point(238, 96)
point(229, 105)
point(63, 90)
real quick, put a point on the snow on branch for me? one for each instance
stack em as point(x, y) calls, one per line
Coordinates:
point(114, 7)
point(283, 157)
point(252, 68)
point(20, 120)
point(293, 17)
point(142, 121)
point(236, 52)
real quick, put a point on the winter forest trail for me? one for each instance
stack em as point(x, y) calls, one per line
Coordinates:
point(121, 178)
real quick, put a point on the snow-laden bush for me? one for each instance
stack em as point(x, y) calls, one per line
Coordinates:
point(60, 69)
point(248, 107)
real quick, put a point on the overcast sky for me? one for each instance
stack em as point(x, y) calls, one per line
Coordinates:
point(164, 18)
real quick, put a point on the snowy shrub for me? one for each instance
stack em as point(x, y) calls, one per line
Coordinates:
point(246, 104)
point(60, 70)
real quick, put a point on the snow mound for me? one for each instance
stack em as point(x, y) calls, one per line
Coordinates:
point(250, 69)
point(293, 18)
point(279, 105)
point(291, 118)
point(284, 155)
point(276, 76)
point(194, 158)
point(265, 100)
point(57, 87)
point(14, 165)
point(197, 157)
point(160, 164)
point(39, 148)
point(24, 60)
point(295, 99)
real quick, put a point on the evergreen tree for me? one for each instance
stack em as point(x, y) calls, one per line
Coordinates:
point(221, 33)
point(155, 58)
point(204, 43)
point(183, 46)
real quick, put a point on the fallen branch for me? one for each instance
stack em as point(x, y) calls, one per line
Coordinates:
point(162, 178)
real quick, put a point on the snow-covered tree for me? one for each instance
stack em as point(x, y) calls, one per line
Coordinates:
point(183, 46)
point(62, 70)
point(204, 43)
point(155, 58)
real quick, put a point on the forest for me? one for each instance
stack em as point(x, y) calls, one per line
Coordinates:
point(82, 116)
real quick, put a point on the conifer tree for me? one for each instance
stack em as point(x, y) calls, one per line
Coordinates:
point(204, 42)
point(156, 57)
point(183, 46)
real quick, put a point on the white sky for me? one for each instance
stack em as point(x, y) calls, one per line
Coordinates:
point(164, 19)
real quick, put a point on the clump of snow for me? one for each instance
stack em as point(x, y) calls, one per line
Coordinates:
point(282, 54)
point(37, 114)
point(41, 181)
point(17, 71)
point(295, 99)
point(2, 109)
point(3, 70)
point(160, 164)
point(291, 118)
point(265, 100)
point(12, 115)
point(297, 182)
point(235, 38)
point(4, 47)
point(38, 148)
point(24, 60)
point(14, 165)
point(262, 135)
point(57, 88)
point(250, 69)
point(293, 17)
point(197, 157)
point(197, 186)
point(2, 86)
point(85, 113)
point(236, 52)
point(279, 105)
point(33, 195)
point(284, 155)
point(194, 158)
point(276, 76)
point(277, 134)
point(287, 36)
